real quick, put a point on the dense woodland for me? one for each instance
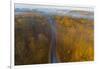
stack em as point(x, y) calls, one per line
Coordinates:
point(72, 37)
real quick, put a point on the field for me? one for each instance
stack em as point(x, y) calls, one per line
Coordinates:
point(44, 38)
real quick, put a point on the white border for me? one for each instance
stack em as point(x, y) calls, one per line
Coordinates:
point(45, 66)
point(12, 35)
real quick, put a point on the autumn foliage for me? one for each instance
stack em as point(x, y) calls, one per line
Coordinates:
point(74, 39)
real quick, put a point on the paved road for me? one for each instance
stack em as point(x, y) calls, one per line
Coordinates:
point(53, 57)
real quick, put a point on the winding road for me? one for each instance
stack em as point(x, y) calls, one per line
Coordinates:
point(53, 57)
